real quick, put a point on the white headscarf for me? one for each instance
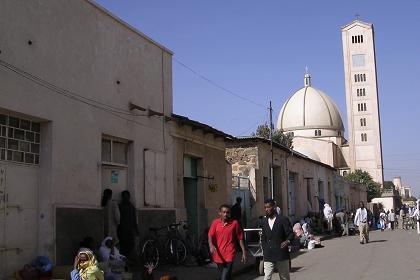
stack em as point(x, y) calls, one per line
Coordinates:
point(327, 211)
point(105, 251)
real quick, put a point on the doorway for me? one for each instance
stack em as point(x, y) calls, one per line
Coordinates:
point(18, 216)
point(191, 192)
point(292, 194)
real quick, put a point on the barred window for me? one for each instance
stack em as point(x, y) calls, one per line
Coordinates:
point(19, 140)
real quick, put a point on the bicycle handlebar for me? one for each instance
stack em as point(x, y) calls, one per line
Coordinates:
point(168, 227)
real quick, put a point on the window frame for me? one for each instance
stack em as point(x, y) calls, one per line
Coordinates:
point(112, 140)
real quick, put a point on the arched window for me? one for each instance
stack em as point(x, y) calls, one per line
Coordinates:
point(358, 107)
point(361, 122)
point(355, 78)
point(364, 92)
point(361, 38)
point(316, 132)
point(364, 77)
point(358, 94)
point(352, 39)
point(364, 106)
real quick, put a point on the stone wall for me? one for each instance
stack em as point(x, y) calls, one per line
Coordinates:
point(242, 161)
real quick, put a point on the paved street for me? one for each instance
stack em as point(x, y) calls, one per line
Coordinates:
point(389, 255)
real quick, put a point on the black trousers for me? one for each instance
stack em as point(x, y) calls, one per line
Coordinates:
point(392, 225)
point(225, 270)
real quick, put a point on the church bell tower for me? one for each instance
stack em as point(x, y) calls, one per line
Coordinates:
point(365, 144)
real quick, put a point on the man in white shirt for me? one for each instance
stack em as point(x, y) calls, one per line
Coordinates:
point(361, 220)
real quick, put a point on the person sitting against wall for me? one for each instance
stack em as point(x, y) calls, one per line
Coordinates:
point(86, 267)
point(114, 262)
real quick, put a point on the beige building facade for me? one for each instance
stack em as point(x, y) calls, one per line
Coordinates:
point(301, 185)
point(86, 104)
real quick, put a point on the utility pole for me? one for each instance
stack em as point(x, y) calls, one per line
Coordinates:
point(272, 152)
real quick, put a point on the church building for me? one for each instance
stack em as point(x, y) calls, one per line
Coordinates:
point(315, 120)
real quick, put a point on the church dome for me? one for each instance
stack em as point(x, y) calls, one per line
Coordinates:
point(310, 109)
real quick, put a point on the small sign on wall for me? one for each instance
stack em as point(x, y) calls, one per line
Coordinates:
point(114, 176)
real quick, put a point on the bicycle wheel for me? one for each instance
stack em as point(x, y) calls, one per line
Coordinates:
point(176, 252)
point(150, 252)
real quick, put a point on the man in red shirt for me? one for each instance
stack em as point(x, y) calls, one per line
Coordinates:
point(223, 236)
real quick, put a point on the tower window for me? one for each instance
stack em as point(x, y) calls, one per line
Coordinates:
point(364, 77)
point(364, 106)
point(361, 92)
point(357, 39)
point(363, 137)
point(363, 122)
point(317, 132)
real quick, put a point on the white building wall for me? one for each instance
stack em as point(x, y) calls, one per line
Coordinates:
point(87, 54)
point(362, 98)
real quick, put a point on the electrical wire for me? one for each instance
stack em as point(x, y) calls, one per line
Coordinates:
point(217, 85)
point(55, 89)
point(69, 94)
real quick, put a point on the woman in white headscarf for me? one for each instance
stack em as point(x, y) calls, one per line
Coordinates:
point(328, 215)
point(111, 257)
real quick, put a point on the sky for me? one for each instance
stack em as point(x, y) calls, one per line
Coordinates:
point(246, 53)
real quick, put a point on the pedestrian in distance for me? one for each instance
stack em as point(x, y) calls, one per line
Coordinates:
point(328, 216)
point(128, 228)
point(236, 211)
point(401, 219)
point(382, 220)
point(361, 220)
point(276, 239)
point(223, 235)
point(111, 214)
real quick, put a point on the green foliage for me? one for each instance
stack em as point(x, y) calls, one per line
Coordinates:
point(285, 139)
point(363, 177)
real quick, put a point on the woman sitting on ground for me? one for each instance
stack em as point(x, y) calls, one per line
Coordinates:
point(86, 267)
point(115, 263)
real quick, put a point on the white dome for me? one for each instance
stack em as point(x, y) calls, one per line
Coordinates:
point(310, 109)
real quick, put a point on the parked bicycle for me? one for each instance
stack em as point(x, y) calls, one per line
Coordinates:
point(173, 249)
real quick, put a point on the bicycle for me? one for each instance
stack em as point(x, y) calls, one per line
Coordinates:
point(197, 248)
point(173, 250)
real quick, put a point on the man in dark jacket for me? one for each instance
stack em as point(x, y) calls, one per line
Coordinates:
point(277, 236)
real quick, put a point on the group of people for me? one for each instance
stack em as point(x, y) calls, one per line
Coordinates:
point(277, 236)
point(120, 228)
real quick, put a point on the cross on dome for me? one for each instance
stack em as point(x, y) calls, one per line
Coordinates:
point(307, 78)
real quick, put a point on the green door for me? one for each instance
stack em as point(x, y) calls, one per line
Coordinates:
point(190, 199)
point(190, 192)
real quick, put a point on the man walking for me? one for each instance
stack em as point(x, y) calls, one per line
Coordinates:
point(361, 220)
point(391, 218)
point(223, 235)
point(401, 219)
point(277, 236)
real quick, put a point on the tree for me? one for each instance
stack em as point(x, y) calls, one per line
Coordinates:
point(285, 139)
point(364, 178)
